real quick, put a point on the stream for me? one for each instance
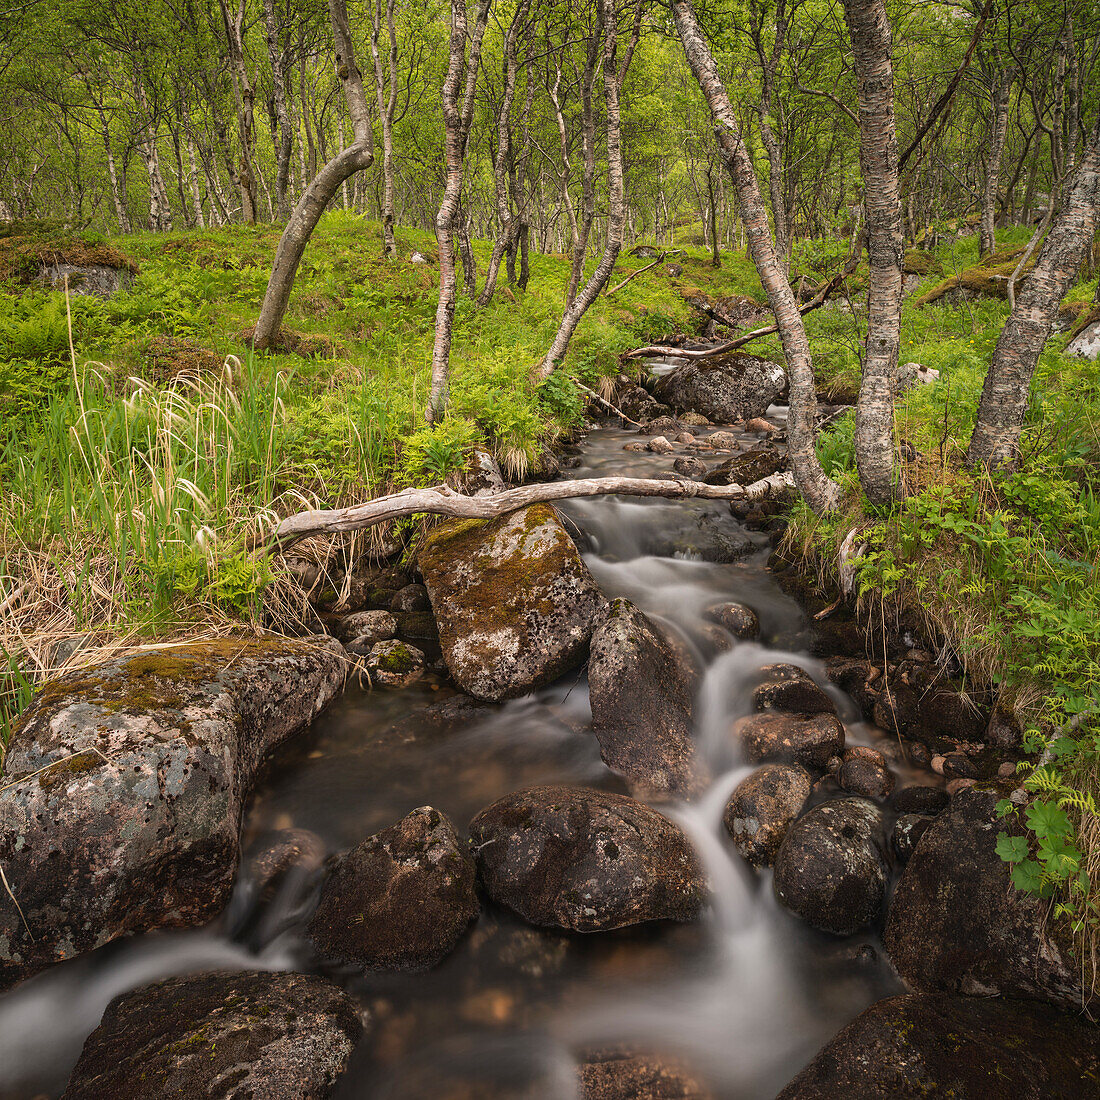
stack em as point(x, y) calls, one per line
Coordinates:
point(744, 997)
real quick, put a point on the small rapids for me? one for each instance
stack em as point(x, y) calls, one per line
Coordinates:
point(743, 998)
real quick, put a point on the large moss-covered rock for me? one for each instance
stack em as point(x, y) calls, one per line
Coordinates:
point(515, 604)
point(956, 923)
point(124, 786)
point(400, 900)
point(725, 390)
point(588, 861)
point(643, 696)
point(925, 1047)
point(215, 1036)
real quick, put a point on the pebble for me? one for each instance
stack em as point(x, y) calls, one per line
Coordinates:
point(936, 764)
point(659, 445)
point(760, 426)
point(1007, 770)
point(959, 785)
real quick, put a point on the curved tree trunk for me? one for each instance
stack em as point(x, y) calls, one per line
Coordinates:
point(322, 189)
point(878, 158)
point(820, 493)
point(996, 437)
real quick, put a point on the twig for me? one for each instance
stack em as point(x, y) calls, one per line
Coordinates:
point(441, 500)
point(14, 598)
point(641, 271)
point(15, 902)
point(606, 404)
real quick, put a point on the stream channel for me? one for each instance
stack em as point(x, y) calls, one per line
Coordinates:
point(744, 997)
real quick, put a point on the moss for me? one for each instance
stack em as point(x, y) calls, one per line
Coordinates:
point(917, 262)
point(397, 658)
point(988, 278)
point(57, 775)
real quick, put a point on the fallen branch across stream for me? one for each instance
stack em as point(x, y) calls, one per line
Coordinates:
point(442, 501)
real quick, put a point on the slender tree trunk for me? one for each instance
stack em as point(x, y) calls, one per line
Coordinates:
point(588, 157)
point(519, 180)
point(457, 118)
point(1002, 86)
point(386, 93)
point(466, 255)
point(284, 143)
point(613, 76)
point(563, 136)
point(112, 174)
point(196, 191)
point(996, 437)
point(245, 97)
point(356, 157)
point(715, 255)
point(878, 157)
point(820, 493)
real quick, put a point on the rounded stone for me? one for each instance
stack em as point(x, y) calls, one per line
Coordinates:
point(789, 688)
point(763, 807)
point(741, 621)
point(908, 829)
point(919, 800)
point(867, 777)
point(810, 741)
point(395, 664)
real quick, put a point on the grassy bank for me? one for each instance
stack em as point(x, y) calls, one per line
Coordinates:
point(143, 445)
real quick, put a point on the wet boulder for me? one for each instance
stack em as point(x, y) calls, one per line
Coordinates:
point(763, 807)
point(744, 469)
point(125, 784)
point(690, 466)
point(726, 389)
point(585, 860)
point(831, 869)
point(289, 853)
point(702, 532)
point(401, 900)
point(394, 664)
point(639, 404)
point(626, 1075)
point(515, 604)
point(957, 924)
point(919, 1046)
point(741, 621)
point(865, 776)
point(279, 1036)
point(919, 800)
point(906, 834)
point(810, 741)
point(642, 691)
point(789, 688)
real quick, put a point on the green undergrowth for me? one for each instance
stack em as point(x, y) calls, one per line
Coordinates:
point(1003, 569)
point(145, 449)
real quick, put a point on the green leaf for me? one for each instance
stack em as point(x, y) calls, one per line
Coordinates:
point(1026, 876)
point(1012, 849)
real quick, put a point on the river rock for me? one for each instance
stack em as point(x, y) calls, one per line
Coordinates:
point(725, 390)
point(867, 777)
point(365, 627)
point(1086, 343)
point(395, 664)
point(919, 800)
point(810, 741)
point(763, 807)
point(642, 691)
point(723, 441)
point(690, 466)
point(934, 1047)
point(741, 621)
point(124, 787)
point(207, 1036)
point(515, 604)
point(625, 1075)
point(659, 445)
point(831, 868)
point(744, 469)
point(639, 404)
point(401, 900)
point(908, 829)
point(288, 852)
point(957, 925)
point(789, 688)
point(585, 860)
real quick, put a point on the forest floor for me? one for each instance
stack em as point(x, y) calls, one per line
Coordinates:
point(144, 448)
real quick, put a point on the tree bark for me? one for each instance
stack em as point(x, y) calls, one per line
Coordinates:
point(999, 95)
point(457, 117)
point(385, 85)
point(819, 492)
point(997, 431)
point(323, 188)
point(284, 143)
point(245, 97)
point(588, 160)
point(878, 156)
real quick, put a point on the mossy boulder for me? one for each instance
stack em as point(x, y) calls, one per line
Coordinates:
point(394, 664)
point(401, 900)
point(726, 389)
point(125, 783)
point(987, 279)
point(252, 1034)
point(514, 603)
point(642, 691)
point(585, 860)
point(957, 924)
point(926, 1047)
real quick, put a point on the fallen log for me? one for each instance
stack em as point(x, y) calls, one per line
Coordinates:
point(440, 500)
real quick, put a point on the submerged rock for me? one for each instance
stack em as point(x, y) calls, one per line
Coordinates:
point(703, 534)
point(789, 688)
point(725, 390)
point(288, 852)
point(831, 869)
point(763, 807)
point(585, 860)
point(811, 741)
point(958, 925)
point(926, 1047)
point(642, 691)
point(401, 900)
point(515, 604)
point(919, 800)
point(625, 1075)
point(741, 621)
point(251, 1034)
point(125, 783)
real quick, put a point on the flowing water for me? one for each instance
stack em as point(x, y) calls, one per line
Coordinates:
point(744, 996)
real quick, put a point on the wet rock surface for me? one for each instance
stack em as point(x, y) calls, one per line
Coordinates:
point(125, 785)
point(642, 692)
point(515, 604)
point(586, 860)
point(763, 807)
point(861, 775)
point(394, 664)
point(725, 390)
point(831, 869)
point(956, 923)
point(250, 1034)
point(631, 1076)
point(916, 1046)
point(401, 900)
point(741, 621)
point(810, 741)
point(789, 688)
